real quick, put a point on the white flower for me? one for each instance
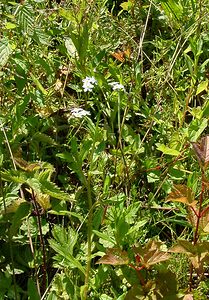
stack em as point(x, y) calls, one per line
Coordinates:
point(116, 86)
point(88, 84)
point(79, 112)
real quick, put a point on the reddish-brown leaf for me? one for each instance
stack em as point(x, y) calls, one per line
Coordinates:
point(151, 254)
point(115, 257)
point(182, 193)
point(202, 150)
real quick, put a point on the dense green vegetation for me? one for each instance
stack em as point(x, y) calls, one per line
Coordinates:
point(105, 148)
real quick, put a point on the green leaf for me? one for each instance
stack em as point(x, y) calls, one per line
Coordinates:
point(25, 18)
point(203, 86)
point(196, 128)
point(64, 252)
point(10, 25)
point(21, 213)
point(53, 190)
point(40, 36)
point(32, 290)
point(172, 8)
point(5, 51)
point(167, 150)
point(127, 5)
point(104, 236)
point(14, 176)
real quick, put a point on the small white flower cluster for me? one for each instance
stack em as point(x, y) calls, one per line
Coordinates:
point(116, 86)
point(79, 112)
point(88, 84)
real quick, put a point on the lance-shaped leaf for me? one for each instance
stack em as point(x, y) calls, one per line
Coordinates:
point(202, 150)
point(115, 257)
point(182, 193)
point(151, 254)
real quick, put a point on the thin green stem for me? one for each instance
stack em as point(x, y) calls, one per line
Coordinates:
point(89, 235)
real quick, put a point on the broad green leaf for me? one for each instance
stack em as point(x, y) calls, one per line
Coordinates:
point(167, 150)
point(196, 128)
point(14, 205)
point(32, 290)
point(5, 51)
point(21, 213)
point(25, 18)
point(67, 14)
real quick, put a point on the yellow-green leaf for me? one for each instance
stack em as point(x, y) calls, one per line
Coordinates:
point(167, 150)
point(203, 86)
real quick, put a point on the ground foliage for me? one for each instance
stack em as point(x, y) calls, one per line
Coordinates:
point(105, 148)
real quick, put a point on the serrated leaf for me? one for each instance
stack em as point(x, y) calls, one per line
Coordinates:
point(115, 257)
point(26, 166)
point(167, 150)
point(53, 190)
point(104, 236)
point(182, 193)
point(5, 51)
point(44, 138)
point(151, 254)
point(43, 200)
point(14, 175)
point(183, 246)
point(196, 253)
point(64, 252)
